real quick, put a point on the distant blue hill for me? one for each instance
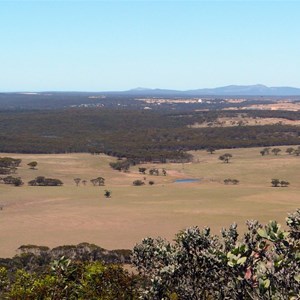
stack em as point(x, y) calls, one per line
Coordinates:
point(230, 90)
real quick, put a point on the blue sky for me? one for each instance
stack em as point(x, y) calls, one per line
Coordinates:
point(118, 45)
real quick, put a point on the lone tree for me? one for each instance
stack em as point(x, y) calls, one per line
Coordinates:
point(77, 181)
point(107, 194)
point(225, 157)
point(211, 150)
point(32, 165)
point(275, 151)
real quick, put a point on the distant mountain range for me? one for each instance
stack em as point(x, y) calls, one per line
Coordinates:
point(230, 90)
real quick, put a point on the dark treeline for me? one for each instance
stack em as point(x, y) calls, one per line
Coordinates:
point(135, 134)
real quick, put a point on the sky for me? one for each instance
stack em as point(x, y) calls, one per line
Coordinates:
point(119, 45)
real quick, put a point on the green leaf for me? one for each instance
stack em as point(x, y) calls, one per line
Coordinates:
point(242, 260)
point(262, 233)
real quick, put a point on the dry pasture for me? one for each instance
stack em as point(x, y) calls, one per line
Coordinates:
point(53, 216)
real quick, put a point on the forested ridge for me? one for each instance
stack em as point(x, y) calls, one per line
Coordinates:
point(136, 134)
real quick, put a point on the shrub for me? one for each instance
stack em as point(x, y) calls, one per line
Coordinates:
point(263, 264)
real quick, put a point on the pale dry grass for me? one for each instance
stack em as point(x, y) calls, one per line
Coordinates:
point(55, 216)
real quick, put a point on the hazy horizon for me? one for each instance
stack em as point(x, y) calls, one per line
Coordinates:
point(121, 45)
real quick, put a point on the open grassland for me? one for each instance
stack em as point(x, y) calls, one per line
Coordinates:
point(53, 216)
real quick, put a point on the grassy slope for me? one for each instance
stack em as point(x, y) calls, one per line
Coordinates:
point(66, 215)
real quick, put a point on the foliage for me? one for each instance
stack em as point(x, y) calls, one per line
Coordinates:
point(66, 279)
point(263, 264)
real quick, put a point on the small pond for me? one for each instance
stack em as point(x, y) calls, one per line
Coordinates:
point(186, 180)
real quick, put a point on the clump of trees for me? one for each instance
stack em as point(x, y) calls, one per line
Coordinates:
point(264, 263)
point(100, 181)
point(276, 183)
point(9, 165)
point(43, 181)
point(121, 165)
point(225, 157)
point(231, 181)
point(154, 171)
point(16, 181)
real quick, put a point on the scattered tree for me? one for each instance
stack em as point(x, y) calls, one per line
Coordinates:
point(297, 152)
point(142, 170)
point(211, 150)
point(138, 182)
point(290, 150)
point(284, 183)
point(276, 151)
point(32, 165)
point(84, 182)
point(275, 182)
point(77, 181)
point(107, 194)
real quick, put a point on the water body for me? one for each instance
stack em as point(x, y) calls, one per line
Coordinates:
point(186, 180)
